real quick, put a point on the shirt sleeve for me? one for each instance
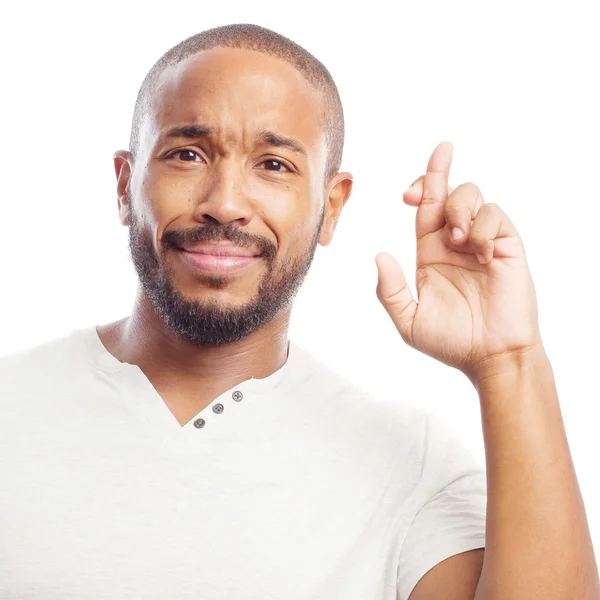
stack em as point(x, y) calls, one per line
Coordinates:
point(451, 518)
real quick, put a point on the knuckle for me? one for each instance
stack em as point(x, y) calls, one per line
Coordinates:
point(476, 235)
point(468, 185)
point(454, 211)
point(479, 237)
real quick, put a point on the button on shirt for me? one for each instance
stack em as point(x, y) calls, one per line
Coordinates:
point(297, 486)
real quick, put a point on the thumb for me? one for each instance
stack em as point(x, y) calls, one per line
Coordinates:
point(395, 295)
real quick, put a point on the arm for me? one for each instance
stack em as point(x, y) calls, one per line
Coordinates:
point(477, 312)
point(538, 543)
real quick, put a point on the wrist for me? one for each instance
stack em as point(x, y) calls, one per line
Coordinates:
point(508, 366)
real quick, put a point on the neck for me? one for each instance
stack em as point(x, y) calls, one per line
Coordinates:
point(143, 339)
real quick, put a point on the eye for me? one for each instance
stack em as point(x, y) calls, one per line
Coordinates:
point(277, 163)
point(185, 150)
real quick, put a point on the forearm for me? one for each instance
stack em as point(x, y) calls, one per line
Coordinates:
point(538, 543)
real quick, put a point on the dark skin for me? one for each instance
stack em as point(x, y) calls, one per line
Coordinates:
point(231, 181)
point(238, 92)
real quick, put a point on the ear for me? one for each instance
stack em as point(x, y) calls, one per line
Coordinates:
point(337, 193)
point(123, 161)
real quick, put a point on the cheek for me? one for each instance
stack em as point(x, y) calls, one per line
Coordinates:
point(284, 211)
point(165, 199)
point(299, 235)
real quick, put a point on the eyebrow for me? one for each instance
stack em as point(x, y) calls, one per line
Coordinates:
point(187, 131)
point(266, 137)
point(281, 141)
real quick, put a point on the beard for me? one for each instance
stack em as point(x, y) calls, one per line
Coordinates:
point(210, 322)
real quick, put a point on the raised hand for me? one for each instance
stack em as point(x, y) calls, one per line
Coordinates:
point(476, 298)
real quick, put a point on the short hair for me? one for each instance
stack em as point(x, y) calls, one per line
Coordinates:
point(253, 37)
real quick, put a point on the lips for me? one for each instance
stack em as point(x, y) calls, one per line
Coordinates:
point(219, 259)
point(220, 250)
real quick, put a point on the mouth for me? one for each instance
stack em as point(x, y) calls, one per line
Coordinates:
point(220, 249)
point(219, 259)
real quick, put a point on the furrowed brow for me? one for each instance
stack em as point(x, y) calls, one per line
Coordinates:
point(195, 131)
point(281, 141)
point(190, 132)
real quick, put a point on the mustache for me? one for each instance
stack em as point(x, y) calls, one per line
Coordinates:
point(220, 233)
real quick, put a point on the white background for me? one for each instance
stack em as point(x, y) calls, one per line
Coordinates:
point(513, 85)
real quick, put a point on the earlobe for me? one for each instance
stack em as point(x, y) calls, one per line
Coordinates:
point(326, 233)
point(339, 192)
point(124, 215)
point(123, 170)
point(329, 225)
point(124, 207)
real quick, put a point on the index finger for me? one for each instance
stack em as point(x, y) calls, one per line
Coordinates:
point(412, 196)
point(430, 214)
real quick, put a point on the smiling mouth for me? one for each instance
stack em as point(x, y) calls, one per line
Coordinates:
point(216, 249)
point(218, 262)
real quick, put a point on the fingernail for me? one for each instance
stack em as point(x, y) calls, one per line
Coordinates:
point(480, 258)
point(456, 233)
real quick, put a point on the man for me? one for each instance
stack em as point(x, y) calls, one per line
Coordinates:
point(190, 450)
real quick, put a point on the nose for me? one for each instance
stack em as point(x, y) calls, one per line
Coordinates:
point(224, 198)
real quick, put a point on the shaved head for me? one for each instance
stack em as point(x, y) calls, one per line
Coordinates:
point(236, 140)
point(260, 39)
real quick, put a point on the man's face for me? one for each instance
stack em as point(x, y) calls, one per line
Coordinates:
point(228, 185)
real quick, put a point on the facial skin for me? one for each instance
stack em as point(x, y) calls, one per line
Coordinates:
point(205, 318)
point(225, 186)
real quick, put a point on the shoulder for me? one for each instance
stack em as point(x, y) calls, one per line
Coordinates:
point(388, 424)
point(35, 365)
point(322, 382)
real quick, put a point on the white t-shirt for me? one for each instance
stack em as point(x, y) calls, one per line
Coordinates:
point(298, 486)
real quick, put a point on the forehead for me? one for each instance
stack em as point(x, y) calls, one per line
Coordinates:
point(236, 92)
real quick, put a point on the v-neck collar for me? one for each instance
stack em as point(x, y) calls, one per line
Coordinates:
point(146, 404)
